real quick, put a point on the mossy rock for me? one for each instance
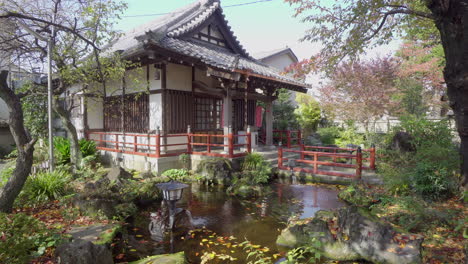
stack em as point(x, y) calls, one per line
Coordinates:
point(356, 195)
point(218, 170)
point(177, 258)
point(108, 236)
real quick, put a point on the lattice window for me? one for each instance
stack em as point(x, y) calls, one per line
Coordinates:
point(135, 110)
point(208, 113)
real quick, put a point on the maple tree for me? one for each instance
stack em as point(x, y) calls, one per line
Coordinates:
point(361, 91)
point(347, 28)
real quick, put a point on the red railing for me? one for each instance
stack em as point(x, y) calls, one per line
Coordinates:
point(157, 145)
point(322, 157)
point(288, 138)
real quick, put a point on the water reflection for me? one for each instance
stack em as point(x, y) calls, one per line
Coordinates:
point(258, 220)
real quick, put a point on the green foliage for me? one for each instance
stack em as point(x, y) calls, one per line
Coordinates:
point(306, 254)
point(13, 154)
point(432, 170)
point(181, 175)
point(255, 255)
point(62, 149)
point(35, 110)
point(87, 147)
point(23, 237)
point(349, 136)
point(411, 97)
point(256, 168)
point(283, 112)
point(5, 174)
point(328, 135)
point(46, 186)
point(308, 113)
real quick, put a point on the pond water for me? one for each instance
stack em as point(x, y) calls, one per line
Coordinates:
point(221, 222)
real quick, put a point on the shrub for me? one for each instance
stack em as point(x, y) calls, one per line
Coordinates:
point(256, 168)
point(62, 147)
point(349, 136)
point(177, 175)
point(62, 150)
point(23, 237)
point(432, 170)
point(46, 186)
point(13, 154)
point(5, 174)
point(87, 147)
point(328, 135)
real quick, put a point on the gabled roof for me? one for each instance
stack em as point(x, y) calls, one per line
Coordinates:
point(174, 33)
point(264, 55)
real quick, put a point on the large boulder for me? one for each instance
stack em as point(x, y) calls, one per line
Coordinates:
point(118, 175)
point(83, 252)
point(356, 235)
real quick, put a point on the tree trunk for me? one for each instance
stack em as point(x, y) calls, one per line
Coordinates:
point(451, 18)
point(75, 152)
point(24, 144)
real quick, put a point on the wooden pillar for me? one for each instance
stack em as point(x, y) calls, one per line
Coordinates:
point(165, 105)
point(269, 123)
point(358, 163)
point(227, 117)
point(249, 139)
point(372, 157)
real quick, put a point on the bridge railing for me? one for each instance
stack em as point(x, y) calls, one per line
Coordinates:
point(328, 157)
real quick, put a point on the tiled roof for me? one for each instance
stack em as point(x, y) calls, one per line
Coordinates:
point(168, 32)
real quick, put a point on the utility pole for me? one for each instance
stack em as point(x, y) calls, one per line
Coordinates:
point(49, 88)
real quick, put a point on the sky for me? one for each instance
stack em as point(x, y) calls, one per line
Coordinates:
point(262, 26)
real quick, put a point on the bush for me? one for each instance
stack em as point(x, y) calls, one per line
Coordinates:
point(432, 170)
point(62, 150)
point(46, 186)
point(328, 135)
point(5, 174)
point(62, 147)
point(87, 147)
point(23, 237)
point(181, 175)
point(256, 168)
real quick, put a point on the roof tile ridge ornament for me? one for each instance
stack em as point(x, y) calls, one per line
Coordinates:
point(196, 21)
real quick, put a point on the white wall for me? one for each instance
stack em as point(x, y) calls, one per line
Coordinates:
point(280, 62)
point(95, 108)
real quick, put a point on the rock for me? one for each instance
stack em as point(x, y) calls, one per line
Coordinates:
point(83, 252)
point(375, 241)
point(359, 236)
point(301, 232)
point(118, 175)
point(177, 258)
point(94, 206)
point(183, 220)
point(402, 142)
point(217, 170)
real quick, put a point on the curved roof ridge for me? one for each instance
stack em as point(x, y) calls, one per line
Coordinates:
point(195, 20)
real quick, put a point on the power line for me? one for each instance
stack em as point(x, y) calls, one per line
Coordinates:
point(234, 5)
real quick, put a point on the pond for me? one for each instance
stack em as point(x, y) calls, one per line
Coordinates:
point(221, 222)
